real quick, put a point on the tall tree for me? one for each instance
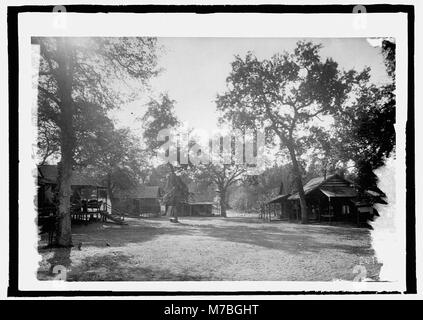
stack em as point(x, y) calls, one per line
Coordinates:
point(78, 73)
point(285, 93)
point(222, 176)
point(119, 160)
point(227, 162)
point(160, 115)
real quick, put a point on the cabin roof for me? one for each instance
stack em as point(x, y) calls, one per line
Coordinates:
point(278, 198)
point(139, 192)
point(332, 186)
point(48, 174)
point(339, 192)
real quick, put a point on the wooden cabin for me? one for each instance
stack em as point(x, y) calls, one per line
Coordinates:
point(201, 208)
point(330, 198)
point(196, 206)
point(278, 206)
point(88, 200)
point(200, 203)
point(139, 201)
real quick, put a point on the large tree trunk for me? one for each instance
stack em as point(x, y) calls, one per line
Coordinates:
point(299, 182)
point(64, 83)
point(175, 212)
point(173, 208)
point(222, 201)
point(64, 230)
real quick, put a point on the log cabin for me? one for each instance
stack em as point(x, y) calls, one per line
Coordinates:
point(142, 200)
point(330, 198)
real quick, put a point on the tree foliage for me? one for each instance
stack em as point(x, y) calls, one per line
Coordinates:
point(222, 176)
point(106, 73)
point(160, 115)
point(256, 190)
point(365, 129)
point(120, 160)
point(285, 94)
point(79, 80)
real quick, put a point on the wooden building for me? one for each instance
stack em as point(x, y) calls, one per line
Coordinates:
point(278, 206)
point(140, 201)
point(201, 208)
point(331, 198)
point(89, 199)
point(198, 205)
point(200, 202)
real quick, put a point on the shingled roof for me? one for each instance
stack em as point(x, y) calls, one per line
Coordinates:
point(332, 186)
point(279, 198)
point(140, 192)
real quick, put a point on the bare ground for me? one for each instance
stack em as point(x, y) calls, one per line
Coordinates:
point(214, 248)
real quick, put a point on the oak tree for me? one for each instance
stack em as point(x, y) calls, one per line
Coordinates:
point(285, 94)
point(76, 74)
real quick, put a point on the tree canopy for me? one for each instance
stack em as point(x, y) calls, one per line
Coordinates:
point(365, 128)
point(79, 80)
point(286, 94)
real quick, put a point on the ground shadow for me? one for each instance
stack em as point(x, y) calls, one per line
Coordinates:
point(122, 267)
point(293, 240)
point(117, 265)
point(102, 234)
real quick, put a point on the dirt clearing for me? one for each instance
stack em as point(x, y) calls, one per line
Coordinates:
point(198, 248)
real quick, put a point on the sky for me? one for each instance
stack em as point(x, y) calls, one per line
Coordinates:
point(195, 71)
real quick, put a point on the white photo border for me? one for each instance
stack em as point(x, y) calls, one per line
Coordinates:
point(251, 25)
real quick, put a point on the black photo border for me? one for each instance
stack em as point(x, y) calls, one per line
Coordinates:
point(13, 65)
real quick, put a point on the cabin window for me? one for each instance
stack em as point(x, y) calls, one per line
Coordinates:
point(345, 209)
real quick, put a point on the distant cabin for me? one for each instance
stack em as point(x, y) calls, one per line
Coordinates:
point(199, 203)
point(199, 208)
point(330, 198)
point(139, 201)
